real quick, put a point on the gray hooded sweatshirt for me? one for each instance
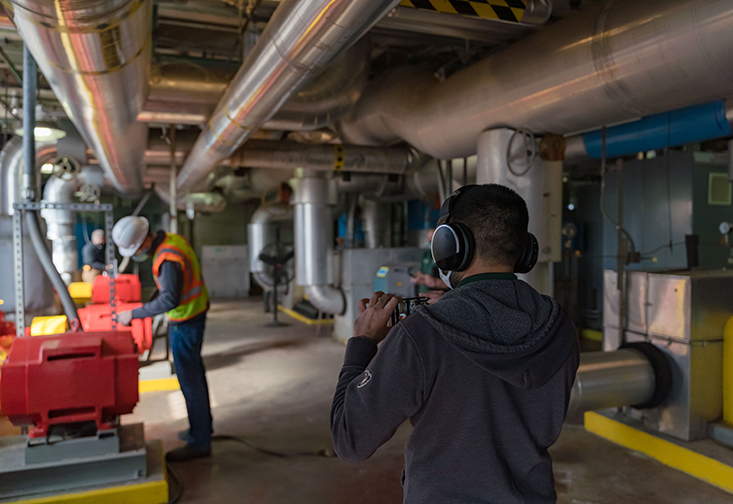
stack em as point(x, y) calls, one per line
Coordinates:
point(484, 376)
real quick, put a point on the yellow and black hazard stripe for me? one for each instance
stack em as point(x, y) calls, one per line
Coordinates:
point(505, 10)
point(338, 157)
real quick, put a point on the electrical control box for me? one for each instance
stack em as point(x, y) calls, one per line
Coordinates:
point(395, 279)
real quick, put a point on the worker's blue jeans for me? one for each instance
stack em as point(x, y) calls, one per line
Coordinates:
point(186, 340)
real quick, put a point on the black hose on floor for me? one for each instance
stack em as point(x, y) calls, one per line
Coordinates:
point(179, 487)
point(323, 452)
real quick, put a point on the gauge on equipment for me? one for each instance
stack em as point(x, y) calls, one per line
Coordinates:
point(725, 228)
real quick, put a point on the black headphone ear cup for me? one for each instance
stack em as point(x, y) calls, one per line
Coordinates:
point(445, 247)
point(467, 246)
point(529, 256)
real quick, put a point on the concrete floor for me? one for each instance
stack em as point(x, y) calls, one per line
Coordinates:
point(274, 387)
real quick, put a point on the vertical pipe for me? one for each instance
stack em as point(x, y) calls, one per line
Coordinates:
point(622, 249)
point(728, 372)
point(29, 124)
point(173, 210)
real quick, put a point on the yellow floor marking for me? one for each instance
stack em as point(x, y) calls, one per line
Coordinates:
point(695, 464)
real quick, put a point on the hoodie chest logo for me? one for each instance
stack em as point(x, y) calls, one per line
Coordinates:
point(367, 379)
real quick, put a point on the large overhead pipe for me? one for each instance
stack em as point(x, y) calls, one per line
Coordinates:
point(639, 376)
point(669, 129)
point(314, 200)
point(616, 61)
point(186, 93)
point(96, 57)
point(327, 157)
point(198, 201)
point(302, 37)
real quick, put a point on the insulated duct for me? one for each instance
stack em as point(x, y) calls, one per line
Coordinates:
point(618, 60)
point(261, 232)
point(326, 157)
point(60, 225)
point(96, 57)
point(669, 129)
point(198, 201)
point(186, 93)
point(314, 200)
point(639, 376)
point(377, 220)
point(302, 37)
point(11, 170)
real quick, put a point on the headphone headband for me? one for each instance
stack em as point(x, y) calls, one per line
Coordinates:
point(453, 246)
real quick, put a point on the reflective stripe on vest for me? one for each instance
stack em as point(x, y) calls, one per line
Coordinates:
point(194, 298)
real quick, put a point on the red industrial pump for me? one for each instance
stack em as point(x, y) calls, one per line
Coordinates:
point(70, 378)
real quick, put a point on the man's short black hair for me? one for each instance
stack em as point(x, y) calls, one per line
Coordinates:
point(498, 218)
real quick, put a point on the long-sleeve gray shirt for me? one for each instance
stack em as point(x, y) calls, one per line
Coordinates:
point(93, 256)
point(170, 281)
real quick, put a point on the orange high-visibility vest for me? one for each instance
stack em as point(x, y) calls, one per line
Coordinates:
point(194, 296)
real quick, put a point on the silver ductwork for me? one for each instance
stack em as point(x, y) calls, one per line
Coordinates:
point(610, 380)
point(615, 61)
point(640, 376)
point(96, 57)
point(326, 157)
point(261, 232)
point(11, 169)
point(302, 38)
point(39, 295)
point(60, 225)
point(197, 202)
point(377, 219)
point(186, 93)
point(314, 199)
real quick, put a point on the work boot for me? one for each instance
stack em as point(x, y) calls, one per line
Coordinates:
point(183, 435)
point(188, 452)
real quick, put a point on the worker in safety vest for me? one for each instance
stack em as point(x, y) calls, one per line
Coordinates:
point(183, 296)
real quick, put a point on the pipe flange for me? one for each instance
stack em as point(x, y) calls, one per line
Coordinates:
point(663, 373)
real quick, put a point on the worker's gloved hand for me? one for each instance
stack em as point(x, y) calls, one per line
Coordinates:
point(375, 314)
point(433, 296)
point(124, 318)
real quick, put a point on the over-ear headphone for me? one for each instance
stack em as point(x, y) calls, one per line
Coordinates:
point(453, 245)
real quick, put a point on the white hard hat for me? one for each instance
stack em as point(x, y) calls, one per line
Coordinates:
point(129, 233)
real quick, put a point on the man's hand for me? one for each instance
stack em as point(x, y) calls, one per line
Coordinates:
point(433, 296)
point(429, 281)
point(124, 318)
point(375, 315)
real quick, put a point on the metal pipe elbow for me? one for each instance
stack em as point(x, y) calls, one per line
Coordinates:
point(326, 298)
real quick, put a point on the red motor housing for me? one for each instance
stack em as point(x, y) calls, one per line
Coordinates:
point(127, 289)
point(69, 378)
point(97, 317)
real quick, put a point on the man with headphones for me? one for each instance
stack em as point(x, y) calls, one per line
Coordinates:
point(484, 374)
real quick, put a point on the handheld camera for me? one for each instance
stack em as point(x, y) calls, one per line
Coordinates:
point(407, 307)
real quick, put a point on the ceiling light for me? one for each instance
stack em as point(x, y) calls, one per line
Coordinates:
point(44, 132)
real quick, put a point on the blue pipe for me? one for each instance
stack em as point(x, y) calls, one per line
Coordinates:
point(669, 129)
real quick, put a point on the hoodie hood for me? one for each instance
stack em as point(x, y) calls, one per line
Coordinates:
point(507, 328)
